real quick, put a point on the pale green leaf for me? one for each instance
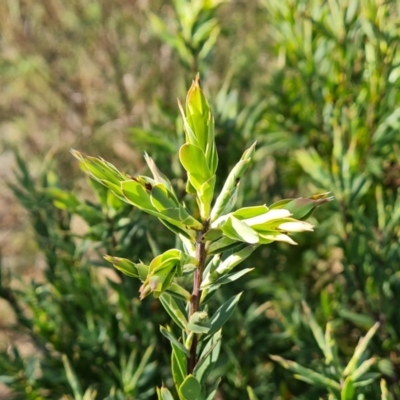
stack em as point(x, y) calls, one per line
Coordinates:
point(174, 311)
point(251, 394)
point(228, 264)
point(317, 331)
point(360, 350)
point(72, 378)
point(128, 267)
point(360, 372)
point(164, 394)
point(306, 374)
point(199, 323)
point(227, 198)
point(238, 230)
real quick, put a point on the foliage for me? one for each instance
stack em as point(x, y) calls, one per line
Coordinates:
point(315, 83)
point(211, 246)
point(78, 319)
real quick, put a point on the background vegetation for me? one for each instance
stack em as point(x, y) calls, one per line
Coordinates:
point(316, 83)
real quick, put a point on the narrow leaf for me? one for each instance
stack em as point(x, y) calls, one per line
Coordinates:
point(72, 379)
point(165, 332)
point(358, 374)
point(316, 330)
point(347, 392)
point(225, 279)
point(228, 264)
point(172, 308)
point(223, 314)
point(251, 394)
point(238, 230)
point(306, 374)
point(360, 350)
point(213, 390)
point(208, 358)
point(164, 394)
point(227, 198)
point(128, 267)
point(178, 365)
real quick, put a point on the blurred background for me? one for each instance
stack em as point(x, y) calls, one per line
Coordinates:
point(315, 82)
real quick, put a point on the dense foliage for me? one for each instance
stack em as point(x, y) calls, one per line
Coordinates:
point(316, 83)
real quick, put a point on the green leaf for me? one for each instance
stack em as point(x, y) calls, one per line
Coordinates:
point(213, 234)
point(250, 212)
point(348, 390)
point(222, 244)
point(158, 281)
point(72, 378)
point(176, 41)
point(251, 394)
point(164, 394)
point(168, 334)
point(140, 369)
point(238, 230)
point(159, 202)
point(307, 375)
point(174, 311)
point(195, 163)
point(385, 392)
point(228, 264)
point(225, 279)
point(128, 267)
point(7, 380)
point(208, 358)
point(137, 195)
point(361, 320)
point(360, 372)
point(368, 379)
point(302, 208)
point(162, 270)
point(213, 390)
point(157, 175)
point(178, 365)
point(331, 353)
point(190, 136)
point(223, 314)
point(178, 292)
point(62, 199)
point(317, 331)
point(198, 114)
point(183, 233)
point(206, 194)
point(99, 169)
point(199, 323)
point(359, 351)
point(190, 388)
point(227, 198)
point(151, 139)
point(161, 198)
point(314, 165)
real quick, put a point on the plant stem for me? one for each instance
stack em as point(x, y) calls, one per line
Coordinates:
point(196, 293)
